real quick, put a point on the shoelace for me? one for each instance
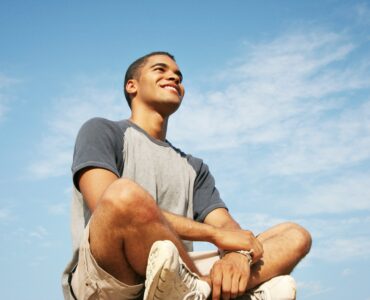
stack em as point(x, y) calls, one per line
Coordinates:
point(258, 295)
point(195, 295)
point(190, 281)
point(188, 278)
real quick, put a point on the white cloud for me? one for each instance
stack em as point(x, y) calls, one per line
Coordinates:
point(5, 82)
point(257, 222)
point(346, 272)
point(312, 288)
point(332, 142)
point(362, 13)
point(346, 193)
point(344, 239)
point(35, 262)
point(292, 95)
point(39, 232)
point(325, 228)
point(342, 249)
point(5, 214)
point(58, 208)
point(69, 112)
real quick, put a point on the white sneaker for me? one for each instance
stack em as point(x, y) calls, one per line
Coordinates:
point(167, 277)
point(277, 288)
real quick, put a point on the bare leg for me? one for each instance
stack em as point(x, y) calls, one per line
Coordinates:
point(123, 228)
point(284, 246)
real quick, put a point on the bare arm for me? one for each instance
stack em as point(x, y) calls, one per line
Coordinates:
point(92, 183)
point(221, 218)
point(218, 228)
point(188, 229)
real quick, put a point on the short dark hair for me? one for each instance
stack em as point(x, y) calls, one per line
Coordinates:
point(133, 71)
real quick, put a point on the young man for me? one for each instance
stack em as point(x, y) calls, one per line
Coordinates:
point(139, 202)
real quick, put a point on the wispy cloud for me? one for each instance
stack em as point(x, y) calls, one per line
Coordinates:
point(342, 249)
point(344, 239)
point(346, 272)
point(327, 143)
point(85, 100)
point(5, 214)
point(5, 82)
point(39, 232)
point(312, 288)
point(257, 222)
point(339, 194)
point(324, 227)
point(292, 95)
point(35, 262)
point(362, 12)
point(58, 208)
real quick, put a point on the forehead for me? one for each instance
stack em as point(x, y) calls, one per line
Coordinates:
point(160, 59)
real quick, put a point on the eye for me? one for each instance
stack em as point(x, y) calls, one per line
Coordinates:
point(159, 69)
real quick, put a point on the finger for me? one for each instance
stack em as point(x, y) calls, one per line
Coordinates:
point(257, 251)
point(243, 282)
point(216, 278)
point(235, 286)
point(226, 285)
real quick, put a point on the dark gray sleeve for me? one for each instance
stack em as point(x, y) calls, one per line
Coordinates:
point(99, 144)
point(206, 196)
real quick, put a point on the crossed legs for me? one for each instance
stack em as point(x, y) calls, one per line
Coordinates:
point(127, 222)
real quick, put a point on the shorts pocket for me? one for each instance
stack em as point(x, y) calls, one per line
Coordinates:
point(83, 287)
point(88, 290)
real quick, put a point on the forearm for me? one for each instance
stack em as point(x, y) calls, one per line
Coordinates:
point(228, 224)
point(220, 218)
point(188, 229)
point(228, 236)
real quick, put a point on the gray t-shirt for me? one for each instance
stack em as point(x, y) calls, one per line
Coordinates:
point(179, 183)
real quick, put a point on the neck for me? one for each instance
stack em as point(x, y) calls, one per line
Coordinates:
point(152, 123)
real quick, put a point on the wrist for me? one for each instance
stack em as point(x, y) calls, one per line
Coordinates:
point(246, 253)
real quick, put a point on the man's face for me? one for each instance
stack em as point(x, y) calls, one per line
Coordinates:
point(159, 84)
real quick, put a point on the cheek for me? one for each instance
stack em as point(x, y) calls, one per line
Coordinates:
point(145, 89)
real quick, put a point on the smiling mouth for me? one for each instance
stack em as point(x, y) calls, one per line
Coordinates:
point(171, 88)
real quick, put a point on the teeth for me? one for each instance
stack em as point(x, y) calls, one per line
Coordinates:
point(170, 88)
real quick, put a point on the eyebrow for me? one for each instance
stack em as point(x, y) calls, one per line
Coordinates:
point(177, 72)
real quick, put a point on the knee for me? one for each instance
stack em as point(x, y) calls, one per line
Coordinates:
point(300, 237)
point(128, 202)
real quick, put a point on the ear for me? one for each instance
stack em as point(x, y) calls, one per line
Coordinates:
point(131, 86)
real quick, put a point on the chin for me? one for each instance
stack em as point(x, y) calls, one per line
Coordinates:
point(168, 108)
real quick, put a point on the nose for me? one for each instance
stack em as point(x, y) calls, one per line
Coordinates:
point(174, 77)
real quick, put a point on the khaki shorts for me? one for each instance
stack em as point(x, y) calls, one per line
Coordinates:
point(90, 281)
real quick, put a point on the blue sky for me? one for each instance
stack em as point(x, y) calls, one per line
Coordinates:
point(277, 104)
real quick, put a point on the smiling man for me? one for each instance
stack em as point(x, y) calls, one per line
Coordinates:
point(139, 203)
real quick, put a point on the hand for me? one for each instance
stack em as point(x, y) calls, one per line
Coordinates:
point(229, 276)
point(238, 239)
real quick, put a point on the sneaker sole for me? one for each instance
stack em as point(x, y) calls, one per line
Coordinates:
point(161, 257)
